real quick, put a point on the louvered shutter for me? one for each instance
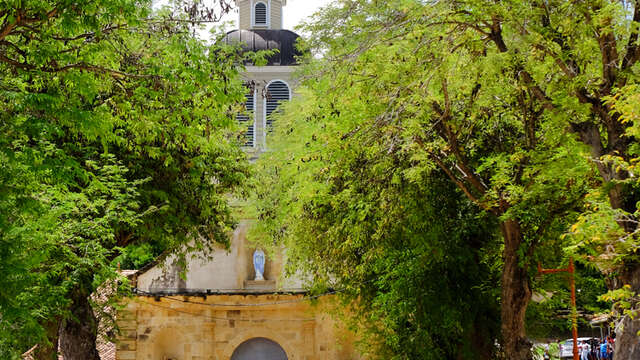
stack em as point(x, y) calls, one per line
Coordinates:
point(277, 92)
point(246, 118)
point(260, 15)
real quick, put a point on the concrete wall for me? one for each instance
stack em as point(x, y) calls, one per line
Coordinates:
point(227, 271)
point(197, 328)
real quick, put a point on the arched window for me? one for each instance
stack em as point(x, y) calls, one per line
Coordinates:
point(260, 14)
point(259, 349)
point(247, 117)
point(277, 92)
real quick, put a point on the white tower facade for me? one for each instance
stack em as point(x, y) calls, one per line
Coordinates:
point(260, 14)
point(260, 28)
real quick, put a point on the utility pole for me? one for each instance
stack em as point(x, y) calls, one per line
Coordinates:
point(574, 310)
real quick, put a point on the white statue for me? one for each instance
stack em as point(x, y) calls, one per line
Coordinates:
point(258, 264)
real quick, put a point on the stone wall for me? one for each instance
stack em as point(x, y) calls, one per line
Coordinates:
point(203, 328)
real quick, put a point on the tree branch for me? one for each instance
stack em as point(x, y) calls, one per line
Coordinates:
point(14, 63)
point(632, 50)
point(80, 66)
point(536, 90)
point(452, 139)
point(21, 20)
point(6, 30)
point(105, 30)
point(461, 185)
point(100, 69)
point(608, 50)
point(496, 37)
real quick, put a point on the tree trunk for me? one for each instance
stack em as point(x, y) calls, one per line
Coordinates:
point(49, 351)
point(78, 334)
point(516, 294)
point(627, 345)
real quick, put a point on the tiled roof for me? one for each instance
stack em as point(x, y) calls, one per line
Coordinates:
point(106, 348)
point(107, 351)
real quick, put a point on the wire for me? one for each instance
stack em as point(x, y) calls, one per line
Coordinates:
point(219, 318)
point(307, 298)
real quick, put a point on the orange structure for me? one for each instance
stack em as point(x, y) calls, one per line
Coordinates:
point(572, 284)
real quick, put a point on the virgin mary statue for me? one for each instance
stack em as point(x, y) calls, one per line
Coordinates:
point(258, 264)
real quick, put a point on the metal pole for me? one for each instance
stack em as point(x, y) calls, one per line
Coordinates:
point(574, 311)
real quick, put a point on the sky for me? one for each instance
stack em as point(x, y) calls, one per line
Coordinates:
point(297, 10)
point(293, 14)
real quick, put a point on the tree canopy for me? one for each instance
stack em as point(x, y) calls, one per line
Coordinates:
point(117, 131)
point(438, 148)
point(515, 103)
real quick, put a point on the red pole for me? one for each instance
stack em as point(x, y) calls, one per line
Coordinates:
point(574, 310)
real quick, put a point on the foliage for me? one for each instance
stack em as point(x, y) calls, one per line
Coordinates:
point(44, 264)
point(554, 351)
point(548, 318)
point(508, 99)
point(620, 297)
point(354, 220)
point(605, 234)
point(115, 131)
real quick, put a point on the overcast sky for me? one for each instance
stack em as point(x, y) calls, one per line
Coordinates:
point(297, 10)
point(293, 14)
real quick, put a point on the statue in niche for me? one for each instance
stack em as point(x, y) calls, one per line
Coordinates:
point(258, 264)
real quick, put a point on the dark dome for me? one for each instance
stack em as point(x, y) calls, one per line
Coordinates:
point(256, 40)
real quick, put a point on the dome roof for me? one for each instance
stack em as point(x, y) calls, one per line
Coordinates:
point(256, 40)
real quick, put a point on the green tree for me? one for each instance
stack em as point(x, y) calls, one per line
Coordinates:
point(414, 260)
point(575, 66)
point(116, 130)
point(485, 93)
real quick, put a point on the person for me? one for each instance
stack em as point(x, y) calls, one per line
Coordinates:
point(604, 353)
point(584, 353)
point(610, 347)
point(594, 349)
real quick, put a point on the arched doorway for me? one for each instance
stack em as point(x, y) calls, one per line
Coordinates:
point(259, 349)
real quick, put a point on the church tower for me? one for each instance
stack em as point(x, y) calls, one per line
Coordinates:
point(260, 14)
point(237, 302)
point(260, 28)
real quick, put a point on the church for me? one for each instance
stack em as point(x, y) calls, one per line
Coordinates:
point(236, 305)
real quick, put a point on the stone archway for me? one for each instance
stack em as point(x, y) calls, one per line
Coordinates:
point(248, 334)
point(259, 348)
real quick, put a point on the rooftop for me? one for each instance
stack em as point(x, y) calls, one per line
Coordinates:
point(256, 40)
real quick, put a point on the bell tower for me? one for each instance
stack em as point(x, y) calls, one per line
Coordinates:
point(260, 14)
